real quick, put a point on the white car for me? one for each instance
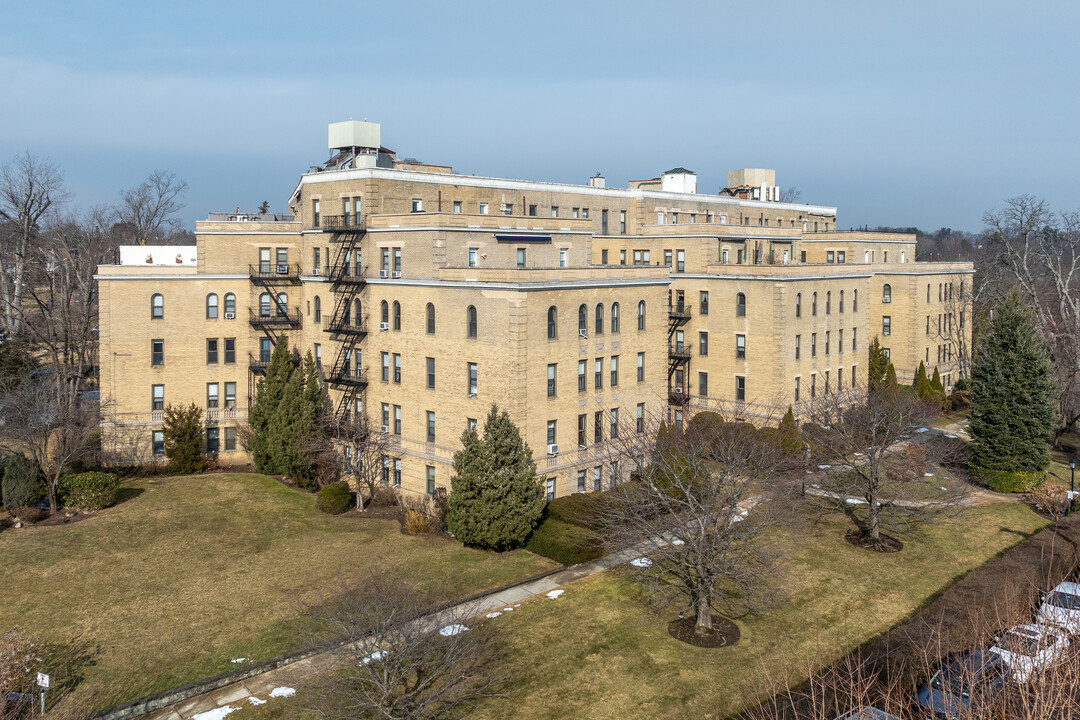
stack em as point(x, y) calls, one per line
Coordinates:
point(1027, 650)
point(1061, 608)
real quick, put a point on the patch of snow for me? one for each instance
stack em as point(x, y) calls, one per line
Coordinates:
point(922, 430)
point(256, 701)
point(555, 593)
point(814, 485)
point(859, 455)
point(928, 474)
point(809, 472)
point(494, 614)
point(517, 604)
point(823, 467)
point(737, 518)
point(951, 437)
point(944, 489)
point(1072, 493)
point(508, 609)
point(282, 692)
point(677, 541)
point(215, 714)
point(641, 562)
point(239, 660)
point(452, 630)
point(856, 501)
point(373, 657)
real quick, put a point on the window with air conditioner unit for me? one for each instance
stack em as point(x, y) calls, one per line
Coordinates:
point(584, 334)
point(553, 449)
point(230, 316)
point(384, 429)
point(384, 274)
point(678, 391)
point(384, 326)
point(283, 269)
point(395, 273)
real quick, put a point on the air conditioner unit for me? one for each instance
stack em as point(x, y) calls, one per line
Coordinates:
point(315, 270)
point(384, 429)
point(472, 394)
point(583, 333)
point(230, 316)
point(553, 449)
point(282, 269)
point(395, 274)
point(678, 391)
point(886, 299)
point(384, 326)
point(384, 273)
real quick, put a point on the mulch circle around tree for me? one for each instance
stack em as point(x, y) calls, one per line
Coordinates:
point(724, 633)
point(884, 543)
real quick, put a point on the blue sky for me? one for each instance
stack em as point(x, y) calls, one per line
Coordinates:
point(912, 113)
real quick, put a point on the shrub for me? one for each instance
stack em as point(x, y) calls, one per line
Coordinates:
point(416, 522)
point(30, 513)
point(578, 509)
point(1008, 481)
point(1075, 506)
point(439, 505)
point(20, 657)
point(564, 543)
point(89, 490)
point(961, 399)
point(384, 496)
point(22, 486)
point(183, 432)
point(335, 498)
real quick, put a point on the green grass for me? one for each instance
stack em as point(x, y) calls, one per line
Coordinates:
point(1060, 473)
point(187, 573)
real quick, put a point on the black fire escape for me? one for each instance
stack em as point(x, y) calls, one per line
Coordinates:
point(348, 324)
point(273, 314)
point(678, 354)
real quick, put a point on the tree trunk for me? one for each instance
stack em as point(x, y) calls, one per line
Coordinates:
point(872, 528)
point(703, 626)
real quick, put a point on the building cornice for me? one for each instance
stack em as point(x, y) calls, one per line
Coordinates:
point(524, 286)
point(195, 276)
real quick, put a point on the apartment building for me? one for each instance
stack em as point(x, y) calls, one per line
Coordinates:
point(427, 296)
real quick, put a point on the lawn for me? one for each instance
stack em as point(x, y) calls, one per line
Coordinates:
point(188, 573)
point(1060, 473)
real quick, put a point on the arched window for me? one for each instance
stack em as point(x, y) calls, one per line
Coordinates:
point(318, 309)
point(346, 318)
point(430, 319)
point(614, 317)
point(740, 305)
point(397, 315)
point(583, 320)
point(641, 315)
point(470, 321)
point(841, 302)
point(230, 304)
point(282, 305)
point(854, 301)
point(886, 293)
point(828, 302)
point(211, 306)
point(813, 305)
point(384, 313)
point(553, 322)
point(798, 304)
point(157, 306)
point(599, 318)
point(264, 305)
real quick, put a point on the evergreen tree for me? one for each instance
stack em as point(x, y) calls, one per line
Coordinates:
point(1013, 413)
point(296, 424)
point(264, 408)
point(790, 440)
point(496, 498)
point(889, 387)
point(183, 434)
point(879, 365)
point(921, 384)
point(936, 384)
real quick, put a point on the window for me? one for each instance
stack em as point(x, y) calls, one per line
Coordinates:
point(613, 429)
point(622, 221)
point(667, 259)
point(840, 341)
point(157, 306)
point(641, 367)
point(740, 388)
point(264, 305)
point(562, 257)
point(157, 440)
point(417, 205)
point(430, 319)
point(457, 206)
point(552, 323)
point(886, 293)
point(826, 342)
point(431, 373)
point(230, 305)
point(813, 345)
point(598, 373)
point(554, 211)
point(581, 481)
point(213, 436)
point(157, 394)
point(583, 320)
point(740, 347)
point(397, 368)
point(615, 317)
point(840, 378)
point(470, 321)
point(551, 368)
point(598, 426)
point(483, 208)
point(813, 385)
point(472, 378)
point(603, 221)
point(581, 376)
point(211, 395)
point(598, 478)
point(397, 472)
point(582, 424)
point(641, 315)
point(282, 305)
point(157, 352)
point(703, 303)
point(826, 382)
point(230, 395)
point(703, 343)
point(282, 259)
point(431, 468)
point(397, 419)
point(603, 256)
point(472, 257)
point(614, 367)
point(211, 306)
point(549, 489)
point(813, 305)
point(680, 261)
point(703, 384)
point(397, 315)
point(264, 350)
point(886, 325)
point(855, 301)
point(797, 389)
point(830, 256)
point(431, 426)
point(798, 338)
point(520, 258)
point(841, 256)
point(641, 417)
point(740, 305)
point(802, 256)
point(798, 304)
point(599, 318)
point(507, 208)
point(552, 432)
point(841, 302)
point(828, 302)
point(385, 366)
point(854, 335)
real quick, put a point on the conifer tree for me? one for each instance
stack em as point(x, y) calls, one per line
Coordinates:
point(879, 365)
point(1013, 413)
point(790, 441)
point(921, 384)
point(264, 408)
point(936, 384)
point(183, 436)
point(496, 498)
point(889, 387)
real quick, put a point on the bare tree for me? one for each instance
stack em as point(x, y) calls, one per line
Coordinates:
point(864, 438)
point(30, 188)
point(147, 211)
point(790, 194)
point(698, 506)
point(952, 328)
point(400, 661)
point(362, 449)
point(1039, 251)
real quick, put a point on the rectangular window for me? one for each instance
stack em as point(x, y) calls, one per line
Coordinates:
point(797, 389)
point(813, 385)
point(386, 417)
point(549, 489)
point(813, 345)
point(740, 347)
point(582, 425)
point(470, 423)
point(386, 469)
point(581, 481)
point(457, 206)
point(641, 367)
point(841, 257)
point(158, 442)
point(417, 205)
point(613, 428)
point(562, 257)
point(230, 439)
point(641, 417)
point(211, 395)
point(854, 334)
point(551, 379)
point(829, 257)
point(264, 350)
point(798, 338)
point(431, 468)
point(552, 432)
point(614, 370)
point(431, 373)
point(397, 419)
point(508, 209)
point(704, 302)
point(213, 440)
point(431, 426)
point(667, 259)
point(385, 366)
point(740, 388)
point(581, 376)
point(157, 352)
point(598, 373)
point(554, 211)
point(680, 261)
point(520, 258)
point(472, 257)
point(703, 343)
point(622, 257)
point(397, 368)
point(886, 325)
point(230, 395)
point(230, 350)
point(483, 208)
point(532, 211)
point(603, 257)
point(397, 472)
point(318, 355)
point(574, 213)
point(826, 382)
point(603, 221)
point(598, 478)
point(826, 342)
point(157, 395)
point(840, 378)
point(598, 426)
point(472, 378)
point(622, 222)
point(703, 384)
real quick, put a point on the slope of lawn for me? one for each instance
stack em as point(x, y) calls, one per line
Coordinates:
point(187, 573)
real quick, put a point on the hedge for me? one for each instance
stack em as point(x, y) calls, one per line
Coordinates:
point(89, 490)
point(579, 509)
point(335, 498)
point(564, 543)
point(21, 486)
point(1008, 481)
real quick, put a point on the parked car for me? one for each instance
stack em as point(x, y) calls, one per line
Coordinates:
point(1061, 608)
point(969, 680)
point(867, 713)
point(1030, 649)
